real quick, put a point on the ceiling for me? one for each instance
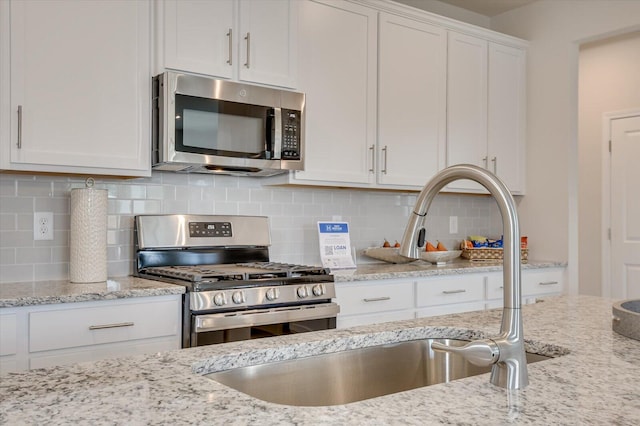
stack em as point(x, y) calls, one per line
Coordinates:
point(484, 7)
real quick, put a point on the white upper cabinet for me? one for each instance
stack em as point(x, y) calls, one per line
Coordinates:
point(412, 67)
point(486, 110)
point(466, 104)
point(337, 72)
point(507, 119)
point(246, 40)
point(76, 93)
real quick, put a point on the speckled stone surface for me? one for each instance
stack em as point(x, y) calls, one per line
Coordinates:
point(419, 268)
point(48, 292)
point(595, 381)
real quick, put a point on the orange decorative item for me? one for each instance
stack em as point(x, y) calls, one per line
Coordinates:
point(386, 243)
point(430, 247)
point(523, 242)
point(441, 247)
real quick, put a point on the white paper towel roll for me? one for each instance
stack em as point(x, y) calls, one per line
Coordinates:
point(88, 239)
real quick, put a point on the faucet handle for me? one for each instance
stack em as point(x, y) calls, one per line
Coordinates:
point(480, 352)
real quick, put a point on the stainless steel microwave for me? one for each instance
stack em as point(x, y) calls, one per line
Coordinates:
point(205, 125)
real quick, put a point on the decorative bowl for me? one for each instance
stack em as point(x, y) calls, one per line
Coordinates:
point(387, 254)
point(440, 257)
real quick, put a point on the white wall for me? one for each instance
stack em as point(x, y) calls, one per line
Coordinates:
point(555, 29)
point(609, 81)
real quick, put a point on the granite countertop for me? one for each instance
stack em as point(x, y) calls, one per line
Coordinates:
point(48, 292)
point(419, 268)
point(594, 382)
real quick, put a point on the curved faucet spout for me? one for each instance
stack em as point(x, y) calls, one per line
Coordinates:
point(510, 368)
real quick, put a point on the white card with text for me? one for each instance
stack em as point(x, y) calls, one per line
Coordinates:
point(335, 245)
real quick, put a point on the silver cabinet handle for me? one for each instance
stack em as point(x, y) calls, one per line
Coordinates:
point(384, 168)
point(485, 161)
point(116, 325)
point(548, 283)
point(248, 38)
point(373, 158)
point(19, 144)
point(494, 160)
point(377, 299)
point(454, 291)
point(230, 35)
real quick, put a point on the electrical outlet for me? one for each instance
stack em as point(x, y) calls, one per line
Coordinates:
point(453, 224)
point(43, 226)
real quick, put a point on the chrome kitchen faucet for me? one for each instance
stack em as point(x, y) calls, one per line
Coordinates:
point(504, 352)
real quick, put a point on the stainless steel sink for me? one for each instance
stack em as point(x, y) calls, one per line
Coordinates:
point(354, 375)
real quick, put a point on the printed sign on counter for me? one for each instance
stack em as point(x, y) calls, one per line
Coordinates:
point(335, 246)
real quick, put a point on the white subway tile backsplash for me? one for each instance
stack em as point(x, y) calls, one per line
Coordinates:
point(7, 256)
point(16, 273)
point(32, 188)
point(293, 213)
point(33, 255)
point(50, 271)
point(7, 222)
point(16, 205)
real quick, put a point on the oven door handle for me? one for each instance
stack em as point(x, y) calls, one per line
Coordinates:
point(242, 319)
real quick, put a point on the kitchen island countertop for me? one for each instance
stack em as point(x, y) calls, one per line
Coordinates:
point(593, 382)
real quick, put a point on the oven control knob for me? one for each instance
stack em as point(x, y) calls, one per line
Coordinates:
point(238, 297)
point(272, 294)
point(219, 299)
point(302, 292)
point(318, 290)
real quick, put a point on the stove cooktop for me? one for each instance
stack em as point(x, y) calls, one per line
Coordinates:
point(239, 275)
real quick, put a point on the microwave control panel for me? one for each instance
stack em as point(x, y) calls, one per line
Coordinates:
point(291, 130)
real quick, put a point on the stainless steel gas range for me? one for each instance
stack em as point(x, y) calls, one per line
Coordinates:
point(233, 291)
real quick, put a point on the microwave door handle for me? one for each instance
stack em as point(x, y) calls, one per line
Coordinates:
point(274, 132)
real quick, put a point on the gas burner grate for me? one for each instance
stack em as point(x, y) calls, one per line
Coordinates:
point(194, 273)
point(292, 270)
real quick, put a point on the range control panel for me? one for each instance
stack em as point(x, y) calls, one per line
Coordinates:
point(210, 229)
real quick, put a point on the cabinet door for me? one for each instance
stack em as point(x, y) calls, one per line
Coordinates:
point(411, 100)
point(506, 121)
point(199, 36)
point(466, 105)
point(267, 37)
point(337, 71)
point(80, 87)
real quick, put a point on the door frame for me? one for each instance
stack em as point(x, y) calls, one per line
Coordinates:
point(605, 247)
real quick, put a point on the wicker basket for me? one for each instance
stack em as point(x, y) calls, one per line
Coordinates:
point(490, 254)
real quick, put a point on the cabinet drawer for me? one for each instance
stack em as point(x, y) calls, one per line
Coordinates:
point(106, 323)
point(441, 291)
point(376, 318)
point(542, 282)
point(8, 334)
point(374, 297)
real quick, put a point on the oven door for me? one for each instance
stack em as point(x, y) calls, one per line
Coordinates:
point(226, 327)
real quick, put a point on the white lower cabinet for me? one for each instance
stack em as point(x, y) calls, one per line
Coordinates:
point(371, 302)
point(8, 342)
point(368, 302)
point(50, 335)
point(446, 295)
point(535, 283)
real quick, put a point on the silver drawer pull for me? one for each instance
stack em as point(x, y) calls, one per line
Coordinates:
point(548, 283)
point(454, 291)
point(377, 299)
point(117, 325)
